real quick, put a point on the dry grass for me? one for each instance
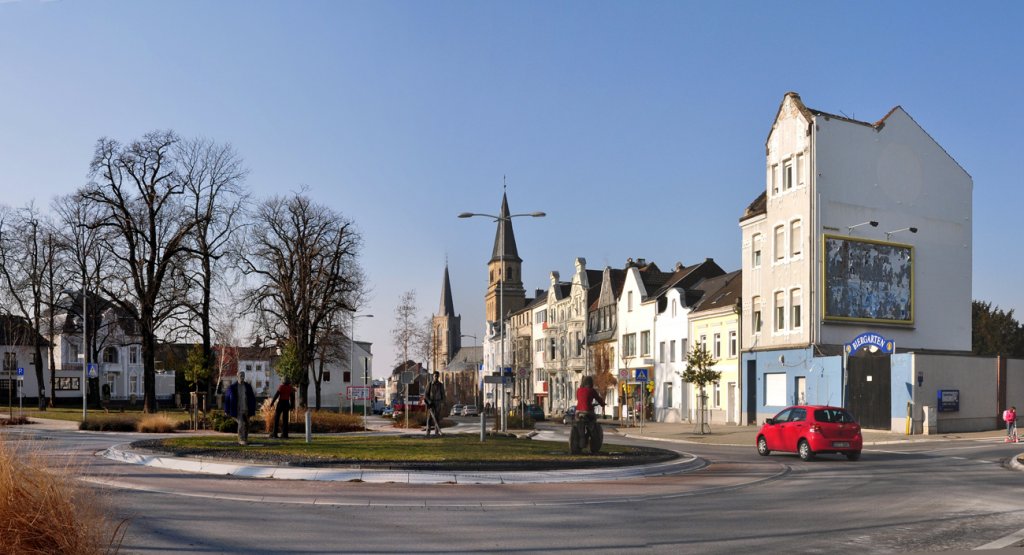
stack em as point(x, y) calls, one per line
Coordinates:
point(324, 421)
point(45, 511)
point(156, 424)
point(16, 421)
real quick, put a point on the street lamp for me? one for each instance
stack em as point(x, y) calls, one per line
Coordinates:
point(501, 292)
point(351, 357)
point(871, 223)
point(891, 233)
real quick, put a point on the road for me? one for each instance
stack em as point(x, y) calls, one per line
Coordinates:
point(921, 497)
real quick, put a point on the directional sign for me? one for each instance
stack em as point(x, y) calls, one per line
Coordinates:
point(358, 392)
point(641, 374)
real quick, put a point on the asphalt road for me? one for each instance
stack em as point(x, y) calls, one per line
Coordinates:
point(921, 497)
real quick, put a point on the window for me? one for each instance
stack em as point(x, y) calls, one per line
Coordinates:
point(629, 301)
point(672, 351)
point(110, 355)
point(133, 354)
point(73, 352)
point(538, 345)
point(667, 395)
point(775, 389)
point(716, 395)
point(248, 368)
point(629, 345)
point(645, 343)
point(661, 351)
point(780, 311)
point(717, 347)
point(732, 344)
point(800, 390)
point(787, 175)
point(773, 178)
point(579, 343)
point(346, 376)
point(703, 343)
point(755, 252)
point(133, 384)
point(551, 348)
point(795, 238)
point(540, 317)
point(10, 361)
point(794, 309)
point(780, 242)
point(327, 375)
point(755, 314)
point(682, 352)
point(673, 308)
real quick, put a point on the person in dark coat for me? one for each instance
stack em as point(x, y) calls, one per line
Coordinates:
point(434, 399)
point(284, 399)
point(240, 403)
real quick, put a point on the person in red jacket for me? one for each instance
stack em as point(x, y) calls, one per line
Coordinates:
point(586, 398)
point(1010, 417)
point(284, 397)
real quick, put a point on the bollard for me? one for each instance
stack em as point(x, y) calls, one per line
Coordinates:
point(309, 427)
point(483, 425)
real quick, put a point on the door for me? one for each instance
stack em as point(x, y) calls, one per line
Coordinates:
point(774, 433)
point(795, 429)
point(751, 384)
point(730, 414)
point(868, 390)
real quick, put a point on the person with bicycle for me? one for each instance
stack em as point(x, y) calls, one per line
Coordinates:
point(586, 398)
point(586, 432)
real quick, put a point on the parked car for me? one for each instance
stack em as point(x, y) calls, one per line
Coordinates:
point(569, 416)
point(388, 412)
point(469, 410)
point(535, 412)
point(456, 410)
point(809, 430)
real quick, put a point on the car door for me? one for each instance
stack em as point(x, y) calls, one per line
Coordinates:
point(794, 429)
point(773, 432)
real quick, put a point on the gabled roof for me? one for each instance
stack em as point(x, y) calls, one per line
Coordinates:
point(686, 276)
point(17, 331)
point(757, 208)
point(467, 358)
point(720, 291)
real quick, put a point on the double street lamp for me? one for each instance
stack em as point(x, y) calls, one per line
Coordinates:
point(501, 220)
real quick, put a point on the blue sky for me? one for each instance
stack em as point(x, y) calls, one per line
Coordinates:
point(639, 127)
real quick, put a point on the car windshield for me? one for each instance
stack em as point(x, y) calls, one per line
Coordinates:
point(833, 415)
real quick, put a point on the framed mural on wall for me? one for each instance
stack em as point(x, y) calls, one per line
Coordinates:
point(867, 280)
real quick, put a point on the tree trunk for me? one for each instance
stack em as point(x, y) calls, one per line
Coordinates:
point(149, 405)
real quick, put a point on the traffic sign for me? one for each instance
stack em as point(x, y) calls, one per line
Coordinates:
point(623, 373)
point(641, 374)
point(21, 372)
point(94, 371)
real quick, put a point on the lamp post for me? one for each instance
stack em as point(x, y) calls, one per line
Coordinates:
point(501, 293)
point(351, 356)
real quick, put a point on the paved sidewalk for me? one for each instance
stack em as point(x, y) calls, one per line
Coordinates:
point(724, 434)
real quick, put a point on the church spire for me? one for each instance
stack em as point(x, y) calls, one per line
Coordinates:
point(509, 252)
point(447, 305)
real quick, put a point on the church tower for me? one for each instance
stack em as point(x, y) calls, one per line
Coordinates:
point(446, 328)
point(504, 285)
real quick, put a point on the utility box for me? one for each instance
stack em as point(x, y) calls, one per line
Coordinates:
point(931, 420)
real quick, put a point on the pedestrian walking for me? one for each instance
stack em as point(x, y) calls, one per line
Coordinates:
point(284, 398)
point(1010, 417)
point(240, 403)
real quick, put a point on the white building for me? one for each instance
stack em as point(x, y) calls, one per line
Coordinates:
point(861, 228)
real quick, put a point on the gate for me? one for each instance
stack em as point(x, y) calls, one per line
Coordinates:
point(868, 390)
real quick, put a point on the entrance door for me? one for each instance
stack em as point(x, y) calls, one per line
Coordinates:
point(868, 390)
point(751, 385)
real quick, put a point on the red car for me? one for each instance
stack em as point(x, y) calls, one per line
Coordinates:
point(809, 430)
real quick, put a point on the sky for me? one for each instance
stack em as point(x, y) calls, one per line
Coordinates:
point(638, 127)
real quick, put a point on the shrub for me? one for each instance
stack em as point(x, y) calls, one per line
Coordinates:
point(48, 511)
point(16, 421)
point(107, 423)
point(416, 420)
point(156, 424)
point(335, 422)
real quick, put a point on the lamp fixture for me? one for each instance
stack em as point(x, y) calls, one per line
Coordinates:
point(891, 233)
point(871, 223)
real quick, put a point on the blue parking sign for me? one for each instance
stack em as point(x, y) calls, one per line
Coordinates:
point(641, 374)
point(21, 371)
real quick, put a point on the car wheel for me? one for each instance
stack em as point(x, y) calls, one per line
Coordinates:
point(853, 455)
point(762, 447)
point(805, 450)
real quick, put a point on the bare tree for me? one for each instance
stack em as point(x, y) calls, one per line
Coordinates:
point(408, 331)
point(23, 266)
point(212, 176)
point(138, 189)
point(303, 258)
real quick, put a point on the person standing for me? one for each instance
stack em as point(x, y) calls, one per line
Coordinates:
point(240, 403)
point(434, 399)
point(284, 398)
point(1010, 417)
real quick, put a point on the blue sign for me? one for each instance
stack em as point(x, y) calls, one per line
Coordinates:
point(949, 400)
point(93, 370)
point(21, 371)
point(641, 374)
point(870, 339)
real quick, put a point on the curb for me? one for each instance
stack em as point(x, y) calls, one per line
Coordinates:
point(120, 453)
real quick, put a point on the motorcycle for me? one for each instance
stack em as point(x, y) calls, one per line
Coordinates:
point(586, 434)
